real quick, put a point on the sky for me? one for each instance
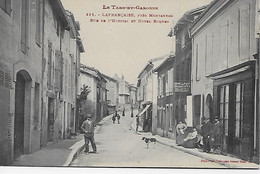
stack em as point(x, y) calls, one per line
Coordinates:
point(126, 47)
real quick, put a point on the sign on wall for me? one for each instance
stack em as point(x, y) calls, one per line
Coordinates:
point(182, 87)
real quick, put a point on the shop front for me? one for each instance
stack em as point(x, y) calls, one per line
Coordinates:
point(234, 106)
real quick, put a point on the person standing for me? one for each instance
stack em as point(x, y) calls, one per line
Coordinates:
point(137, 123)
point(180, 128)
point(216, 132)
point(205, 132)
point(114, 118)
point(88, 129)
point(118, 118)
point(123, 112)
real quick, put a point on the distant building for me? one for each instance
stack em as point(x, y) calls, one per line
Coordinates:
point(124, 93)
point(166, 121)
point(112, 87)
point(147, 95)
point(133, 94)
point(96, 103)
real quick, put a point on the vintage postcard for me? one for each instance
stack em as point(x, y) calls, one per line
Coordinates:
point(130, 84)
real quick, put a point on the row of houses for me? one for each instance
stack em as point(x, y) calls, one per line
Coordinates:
point(213, 72)
point(107, 94)
point(39, 67)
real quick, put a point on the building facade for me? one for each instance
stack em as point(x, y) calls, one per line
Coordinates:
point(224, 72)
point(165, 119)
point(124, 94)
point(182, 64)
point(36, 36)
point(96, 103)
point(112, 86)
point(147, 88)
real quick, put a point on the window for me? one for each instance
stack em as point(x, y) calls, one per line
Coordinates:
point(6, 6)
point(224, 106)
point(244, 32)
point(24, 26)
point(239, 92)
point(159, 118)
point(166, 83)
point(209, 54)
point(183, 39)
point(197, 62)
point(224, 31)
point(49, 83)
point(170, 81)
point(171, 118)
point(38, 21)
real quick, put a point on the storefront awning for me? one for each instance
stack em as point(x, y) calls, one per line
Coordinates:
point(143, 111)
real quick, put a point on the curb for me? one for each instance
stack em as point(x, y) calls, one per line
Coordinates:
point(79, 146)
point(185, 150)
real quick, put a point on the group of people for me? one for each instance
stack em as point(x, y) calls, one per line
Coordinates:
point(116, 116)
point(209, 138)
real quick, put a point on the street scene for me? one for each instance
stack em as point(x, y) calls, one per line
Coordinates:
point(120, 146)
point(130, 84)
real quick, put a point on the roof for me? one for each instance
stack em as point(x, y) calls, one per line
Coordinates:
point(153, 63)
point(60, 11)
point(164, 63)
point(92, 71)
point(74, 28)
point(184, 19)
point(214, 5)
point(109, 78)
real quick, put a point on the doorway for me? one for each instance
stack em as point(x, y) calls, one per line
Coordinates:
point(19, 116)
point(50, 119)
point(22, 113)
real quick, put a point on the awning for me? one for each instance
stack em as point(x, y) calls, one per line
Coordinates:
point(145, 109)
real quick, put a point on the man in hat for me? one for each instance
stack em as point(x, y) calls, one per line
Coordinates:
point(88, 129)
point(205, 132)
point(216, 132)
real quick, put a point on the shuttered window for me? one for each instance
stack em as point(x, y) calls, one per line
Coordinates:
point(224, 107)
point(6, 6)
point(38, 12)
point(239, 87)
point(244, 32)
point(58, 68)
point(24, 26)
point(49, 83)
point(224, 44)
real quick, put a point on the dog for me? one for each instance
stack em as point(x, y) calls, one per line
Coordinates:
point(149, 140)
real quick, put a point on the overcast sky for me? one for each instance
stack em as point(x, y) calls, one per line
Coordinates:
point(125, 48)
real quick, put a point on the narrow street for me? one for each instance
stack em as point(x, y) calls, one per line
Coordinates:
point(118, 146)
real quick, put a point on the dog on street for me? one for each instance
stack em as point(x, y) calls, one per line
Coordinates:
point(148, 141)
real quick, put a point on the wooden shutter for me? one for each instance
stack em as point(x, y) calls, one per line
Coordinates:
point(244, 32)
point(6, 123)
point(49, 65)
point(38, 22)
point(58, 65)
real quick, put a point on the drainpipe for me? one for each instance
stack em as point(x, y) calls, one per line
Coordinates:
point(255, 96)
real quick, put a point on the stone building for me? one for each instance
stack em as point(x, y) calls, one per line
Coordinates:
point(96, 103)
point(112, 86)
point(35, 37)
point(166, 121)
point(182, 64)
point(224, 73)
point(147, 95)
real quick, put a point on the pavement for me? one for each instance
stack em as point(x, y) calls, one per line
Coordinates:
point(57, 154)
point(63, 153)
point(227, 161)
